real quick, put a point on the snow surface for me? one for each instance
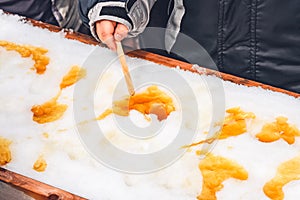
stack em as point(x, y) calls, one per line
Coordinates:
point(72, 168)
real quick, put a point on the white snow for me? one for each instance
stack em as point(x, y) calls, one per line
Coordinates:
point(72, 168)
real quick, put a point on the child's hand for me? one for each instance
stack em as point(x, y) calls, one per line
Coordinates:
point(110, 31)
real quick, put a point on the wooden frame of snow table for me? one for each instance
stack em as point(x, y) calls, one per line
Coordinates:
point(40, 190)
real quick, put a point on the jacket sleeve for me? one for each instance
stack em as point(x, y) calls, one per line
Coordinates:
point(132, 13)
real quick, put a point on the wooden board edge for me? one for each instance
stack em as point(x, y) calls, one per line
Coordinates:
point(170, 62)
point(36, 187)
point(163, 60)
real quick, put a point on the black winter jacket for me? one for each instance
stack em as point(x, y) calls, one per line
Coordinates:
point(63, 13)
point(38, 10)
point(254, 39)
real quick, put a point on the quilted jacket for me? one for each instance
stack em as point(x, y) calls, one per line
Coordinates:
point(63, 13)
point(254, 39)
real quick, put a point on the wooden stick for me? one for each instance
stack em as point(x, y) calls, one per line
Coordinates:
point(125, 68)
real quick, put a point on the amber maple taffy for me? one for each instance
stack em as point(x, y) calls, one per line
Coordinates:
point(286, 172)
point(51, 110)
point(215, 170)
point(5, 154)
point(151, 101)
point(234, 124)
point(36, 53)
point(279, 129)
point(75, 74)
point(40, 164)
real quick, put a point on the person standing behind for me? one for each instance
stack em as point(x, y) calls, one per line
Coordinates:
point(63, 13)
point(253, 39)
